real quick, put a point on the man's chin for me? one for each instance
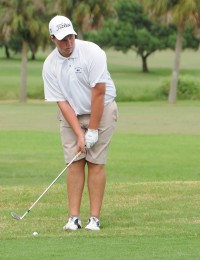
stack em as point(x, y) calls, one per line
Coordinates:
point(66, 53)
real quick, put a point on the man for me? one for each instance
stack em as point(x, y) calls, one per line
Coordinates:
point(75, 76)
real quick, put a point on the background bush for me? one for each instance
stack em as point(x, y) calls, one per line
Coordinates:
point(188, 88)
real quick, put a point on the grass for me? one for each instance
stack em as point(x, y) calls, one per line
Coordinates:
point(151, 204)
point(131, 83)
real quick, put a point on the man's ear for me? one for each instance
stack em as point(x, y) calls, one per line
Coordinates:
point(52, 38)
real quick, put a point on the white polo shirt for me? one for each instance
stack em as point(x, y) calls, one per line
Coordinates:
point(72, 78)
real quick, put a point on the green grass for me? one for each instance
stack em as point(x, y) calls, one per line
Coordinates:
point(131, 83)
point(151, 204)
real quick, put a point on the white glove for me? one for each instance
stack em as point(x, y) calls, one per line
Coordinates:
point(91, 137)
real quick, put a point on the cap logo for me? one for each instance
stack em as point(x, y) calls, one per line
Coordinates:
point(62, 25)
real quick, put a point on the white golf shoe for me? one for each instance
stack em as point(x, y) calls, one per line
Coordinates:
point(93, 224)
point(73, 223)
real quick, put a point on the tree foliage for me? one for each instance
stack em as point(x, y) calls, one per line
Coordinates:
point(85, 14)
point(182, 13)
point(24, 19)
point(122, 24)
point(24, 23)
point(131, 29)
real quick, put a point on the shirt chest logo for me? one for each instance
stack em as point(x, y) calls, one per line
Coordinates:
point(78, 70)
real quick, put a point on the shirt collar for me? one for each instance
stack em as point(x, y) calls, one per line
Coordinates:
point(75, 52)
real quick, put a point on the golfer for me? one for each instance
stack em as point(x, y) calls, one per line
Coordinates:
point(76, 77)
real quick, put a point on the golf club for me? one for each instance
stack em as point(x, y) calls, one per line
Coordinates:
point(14, 215)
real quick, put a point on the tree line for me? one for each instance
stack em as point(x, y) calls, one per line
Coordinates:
point(144, 26)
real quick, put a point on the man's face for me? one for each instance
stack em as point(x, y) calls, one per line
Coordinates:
point(66, 45)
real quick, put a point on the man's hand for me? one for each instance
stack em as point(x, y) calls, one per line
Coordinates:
point(81, 144)
point(91, 138)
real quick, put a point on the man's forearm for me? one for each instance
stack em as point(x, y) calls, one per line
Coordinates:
point(70, 116)
point(97, 105)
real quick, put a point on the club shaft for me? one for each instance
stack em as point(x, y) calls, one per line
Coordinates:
point(75, 157)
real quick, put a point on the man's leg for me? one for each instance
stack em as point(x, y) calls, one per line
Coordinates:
point(96, 187)
point(75, 186)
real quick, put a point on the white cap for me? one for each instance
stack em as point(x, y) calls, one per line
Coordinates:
point(61, 26)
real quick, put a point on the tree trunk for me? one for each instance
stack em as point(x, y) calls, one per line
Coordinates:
point(80, 34)
point(23, 72)
point(174, 81)
point(7, 52)
point(32, 55)
point(32, 52)
point(144, 64)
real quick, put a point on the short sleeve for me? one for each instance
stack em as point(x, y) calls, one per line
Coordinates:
point(97, 67)
point(52, 91)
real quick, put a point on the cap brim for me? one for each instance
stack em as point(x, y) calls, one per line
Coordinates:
point(63, 34)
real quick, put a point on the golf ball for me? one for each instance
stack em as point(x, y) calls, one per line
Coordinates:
point(35, 233)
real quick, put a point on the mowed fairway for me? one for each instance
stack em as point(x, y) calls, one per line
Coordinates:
point(152, 202)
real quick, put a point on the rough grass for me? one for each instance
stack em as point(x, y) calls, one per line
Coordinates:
point(140, 221)
point(151, 204)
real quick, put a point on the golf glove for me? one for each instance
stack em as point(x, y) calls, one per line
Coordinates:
point(91, 137)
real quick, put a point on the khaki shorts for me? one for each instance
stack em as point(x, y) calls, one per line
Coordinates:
point(98, 153)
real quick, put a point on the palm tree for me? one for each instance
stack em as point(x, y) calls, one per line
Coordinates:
point(181, 13)
point(85, 14)
point(23, 17)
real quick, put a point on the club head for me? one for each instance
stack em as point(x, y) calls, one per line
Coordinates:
point(14, 215)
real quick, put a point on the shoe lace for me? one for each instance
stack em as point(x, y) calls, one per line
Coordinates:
point(94, 220)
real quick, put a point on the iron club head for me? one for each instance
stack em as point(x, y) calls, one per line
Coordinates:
point(14, 215)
